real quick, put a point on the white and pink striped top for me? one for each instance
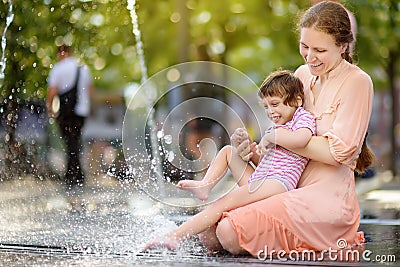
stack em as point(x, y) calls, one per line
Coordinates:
point(282, 164)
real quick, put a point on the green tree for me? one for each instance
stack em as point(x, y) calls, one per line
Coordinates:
point(379, 54)
point(252, 36)
point(38, 27)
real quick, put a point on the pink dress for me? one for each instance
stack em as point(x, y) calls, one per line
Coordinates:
point(324, 207)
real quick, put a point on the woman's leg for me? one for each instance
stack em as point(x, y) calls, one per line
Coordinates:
point(227, 237)
point(226, 158)
point(210, 240)
point(210, 216)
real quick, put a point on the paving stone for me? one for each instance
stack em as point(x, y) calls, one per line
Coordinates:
point(38, 228)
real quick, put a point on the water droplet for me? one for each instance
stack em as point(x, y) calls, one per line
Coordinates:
point(168, 139)
point(171, 156)
point(160, 134)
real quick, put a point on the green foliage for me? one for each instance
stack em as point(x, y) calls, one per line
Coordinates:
point(378, 37)
point(255, 37)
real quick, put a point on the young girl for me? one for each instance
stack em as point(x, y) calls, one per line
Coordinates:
point(279, 169)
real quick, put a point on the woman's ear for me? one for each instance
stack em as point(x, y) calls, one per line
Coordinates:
point(344, 47)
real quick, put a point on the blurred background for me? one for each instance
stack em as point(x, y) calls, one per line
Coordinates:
point(253, 36)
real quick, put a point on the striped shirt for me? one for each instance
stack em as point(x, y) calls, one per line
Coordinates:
point(282, 164)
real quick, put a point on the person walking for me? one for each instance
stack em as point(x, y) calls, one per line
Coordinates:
point(72, 83)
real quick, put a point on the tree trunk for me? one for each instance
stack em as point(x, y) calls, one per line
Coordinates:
point(391, 70)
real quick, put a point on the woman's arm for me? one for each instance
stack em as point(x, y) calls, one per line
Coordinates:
point(342, 142)
point(317, 149)
point(303, 143)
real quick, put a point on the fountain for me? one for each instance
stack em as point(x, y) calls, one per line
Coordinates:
point(118, 222)
point(169, 129)
point(3, 59)
point(156, 165)
point(148, 144)
point(9, 19)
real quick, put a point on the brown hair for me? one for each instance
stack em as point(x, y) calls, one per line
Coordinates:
point(333, 19)
point(366, 157)
point(284, 84)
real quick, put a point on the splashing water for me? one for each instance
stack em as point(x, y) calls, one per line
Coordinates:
point(137, 34)
point(9, 19)
point(156, 162)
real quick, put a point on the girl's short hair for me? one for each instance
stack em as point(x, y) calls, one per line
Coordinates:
point(284, 84)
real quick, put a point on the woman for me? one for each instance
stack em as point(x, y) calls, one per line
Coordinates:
point(324, 210)
point(322, 213)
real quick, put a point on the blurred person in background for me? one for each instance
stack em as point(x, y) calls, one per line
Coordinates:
point(73, 85)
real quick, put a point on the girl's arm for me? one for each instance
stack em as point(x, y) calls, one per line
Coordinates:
point(289, 139)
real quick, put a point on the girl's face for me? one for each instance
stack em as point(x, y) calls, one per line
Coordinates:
point(277, 111)
point(320, 51)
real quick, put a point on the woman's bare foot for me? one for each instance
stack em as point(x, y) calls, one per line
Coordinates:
point(197, 188)
point(166, 242)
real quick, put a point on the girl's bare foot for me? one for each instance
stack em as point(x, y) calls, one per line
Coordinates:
point(166, 242)
point(197, 188)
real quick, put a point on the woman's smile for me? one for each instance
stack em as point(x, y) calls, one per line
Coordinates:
point(314, 65)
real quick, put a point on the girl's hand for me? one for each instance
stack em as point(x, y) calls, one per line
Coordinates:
point(239, 136)
point(246, 150)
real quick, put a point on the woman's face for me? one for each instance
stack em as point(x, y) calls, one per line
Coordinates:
point(320, 51)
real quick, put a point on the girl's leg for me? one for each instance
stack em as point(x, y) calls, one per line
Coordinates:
point(210, 216)
point(226, 158)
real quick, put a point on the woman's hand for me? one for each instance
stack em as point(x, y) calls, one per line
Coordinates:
point(265, 144)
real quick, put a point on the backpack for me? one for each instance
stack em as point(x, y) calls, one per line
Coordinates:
point(69, 99)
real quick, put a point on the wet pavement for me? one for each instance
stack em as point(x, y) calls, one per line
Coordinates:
point(38, 228)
